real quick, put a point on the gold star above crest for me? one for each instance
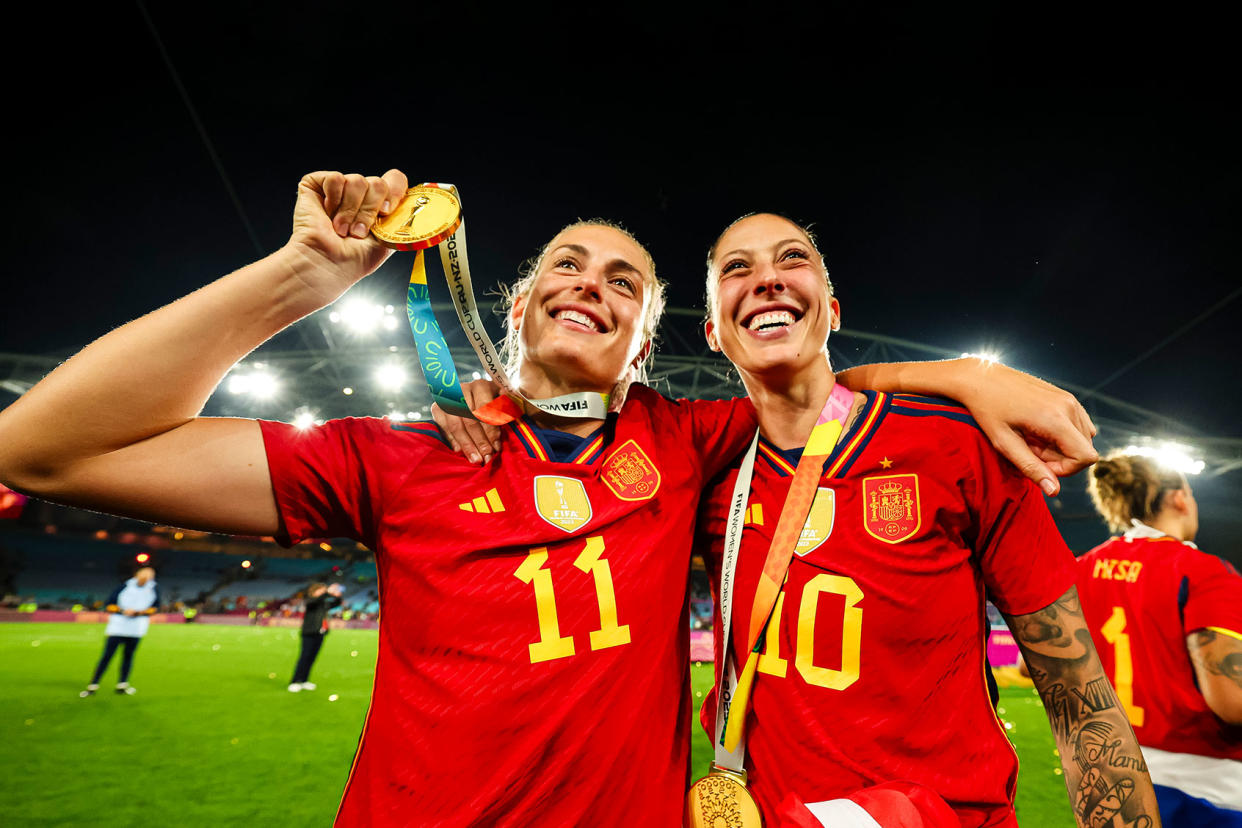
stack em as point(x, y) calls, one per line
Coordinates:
point(886, 463)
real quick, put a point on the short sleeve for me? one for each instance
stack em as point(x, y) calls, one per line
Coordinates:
point(328, 480)
point(1026, 564)
point(1213, 595)
point(715, 430)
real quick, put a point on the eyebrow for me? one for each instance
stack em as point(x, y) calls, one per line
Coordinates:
point(781, 243)
point(615, 264)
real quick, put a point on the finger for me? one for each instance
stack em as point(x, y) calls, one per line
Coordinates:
point(483, 442)
point(351, 200)
point(1016, 451)
point(377, 192)
point(1075, 446)
point(331, 185)
point(397, 185)
point(452, 427)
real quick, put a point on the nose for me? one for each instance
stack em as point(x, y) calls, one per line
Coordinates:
point(590, 283)
point(768, 280)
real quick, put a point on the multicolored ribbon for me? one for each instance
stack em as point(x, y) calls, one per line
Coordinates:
point(802, 491)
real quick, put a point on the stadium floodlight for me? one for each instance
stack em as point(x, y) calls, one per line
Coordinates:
point(142, 557)
point(363, 317)
point(390, 376)
point(347, 390)
point(258, 382)
point(476, 375)
point(986, 356)
point(304, 419)
point(413, 415)
point(245, 564)
point(1175, 456)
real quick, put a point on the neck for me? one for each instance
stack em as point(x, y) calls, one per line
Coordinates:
point(541, 385)
point(1171, 524)
point(789, 405)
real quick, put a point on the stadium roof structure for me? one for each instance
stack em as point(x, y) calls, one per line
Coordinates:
point(338, 378)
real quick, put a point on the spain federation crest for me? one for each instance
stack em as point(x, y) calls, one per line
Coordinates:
point(630, 473)
point(891, 507)
point(819, 521)
point(562, 502)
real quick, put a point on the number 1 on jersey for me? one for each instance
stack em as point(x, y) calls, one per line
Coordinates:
point(1123, 667)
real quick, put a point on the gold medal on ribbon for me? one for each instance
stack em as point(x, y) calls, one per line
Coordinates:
point(426, 216)
point(720, 800)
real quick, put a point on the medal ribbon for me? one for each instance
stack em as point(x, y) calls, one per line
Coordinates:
point(439, 366)
point(802, 491)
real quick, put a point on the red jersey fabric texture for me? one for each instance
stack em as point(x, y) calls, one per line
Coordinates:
point(873, 663)
point(1142, 596)
point(533, 650)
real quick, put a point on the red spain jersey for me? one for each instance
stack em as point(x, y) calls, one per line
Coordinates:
point(1142, 596)
point(873, 663)
point(533, 649)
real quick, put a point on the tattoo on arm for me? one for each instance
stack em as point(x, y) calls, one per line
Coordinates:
point(1104, 769)
point(1217, 654)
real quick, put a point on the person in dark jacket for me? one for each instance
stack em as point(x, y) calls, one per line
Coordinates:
point(319, 599)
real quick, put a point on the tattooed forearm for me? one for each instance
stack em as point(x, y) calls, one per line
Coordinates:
point(1104, 769)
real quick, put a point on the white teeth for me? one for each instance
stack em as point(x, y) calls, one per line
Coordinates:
point(772, 319)
point(580, 318)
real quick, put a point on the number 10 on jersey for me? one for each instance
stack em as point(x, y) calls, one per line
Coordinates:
point(551, 643)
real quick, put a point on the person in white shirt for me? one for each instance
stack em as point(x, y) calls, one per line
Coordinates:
point(132, 604)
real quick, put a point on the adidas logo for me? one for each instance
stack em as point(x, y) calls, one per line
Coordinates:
point(754, 515)
point(487, 504)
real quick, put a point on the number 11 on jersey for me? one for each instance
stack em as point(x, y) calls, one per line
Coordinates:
point(551, 643)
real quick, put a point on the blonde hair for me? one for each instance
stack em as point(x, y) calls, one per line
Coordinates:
point(510, 348)
point(711, 255)
point(1128, 487)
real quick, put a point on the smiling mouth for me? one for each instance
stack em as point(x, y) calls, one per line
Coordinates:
point(568, 315)
point(771, 320)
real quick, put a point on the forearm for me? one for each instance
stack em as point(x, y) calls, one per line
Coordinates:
point(153, 374)
point(952, 378)
point(1105, 773)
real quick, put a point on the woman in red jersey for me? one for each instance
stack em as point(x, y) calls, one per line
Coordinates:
point(870, 668)
point(533, 608)
point(1167, 619)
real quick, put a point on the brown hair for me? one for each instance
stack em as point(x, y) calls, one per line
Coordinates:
point(711, 254)
point(1129, 487)
point(510, 348)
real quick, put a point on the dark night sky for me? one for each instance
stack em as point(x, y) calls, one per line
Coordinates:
point(1064, 187)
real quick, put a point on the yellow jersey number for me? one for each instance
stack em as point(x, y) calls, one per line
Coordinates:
point(774, 664)
point(1114, 631)
point(551, 643)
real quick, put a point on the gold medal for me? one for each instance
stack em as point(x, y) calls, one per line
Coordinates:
point(425, 217)
point(720, 800)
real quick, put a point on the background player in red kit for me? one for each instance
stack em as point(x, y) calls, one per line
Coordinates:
point(1167, 619)
point(872, 666)
point(533, 657)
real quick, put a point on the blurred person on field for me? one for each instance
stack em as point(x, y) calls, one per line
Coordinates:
point(320, 598)
point(131, 606)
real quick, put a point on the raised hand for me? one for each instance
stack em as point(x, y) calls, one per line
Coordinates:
point(332, 223)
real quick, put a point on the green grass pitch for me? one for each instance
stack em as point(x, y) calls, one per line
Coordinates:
point(213, 738)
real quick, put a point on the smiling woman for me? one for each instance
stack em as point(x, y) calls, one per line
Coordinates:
point(861, 655)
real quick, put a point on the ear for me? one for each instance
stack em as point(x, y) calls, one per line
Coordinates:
point(709, 330)
point(1177, 499)
point(641, 356)
point(835, 306)
point(516, 312)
